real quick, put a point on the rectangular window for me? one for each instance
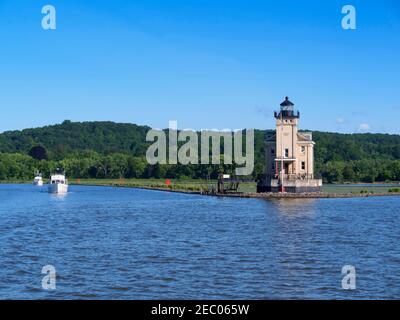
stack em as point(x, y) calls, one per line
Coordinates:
point(286, 153)
point(303, 149)
point(272, 151)
point(303, 165)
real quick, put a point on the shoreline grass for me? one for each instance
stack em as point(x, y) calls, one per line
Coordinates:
point(247, 187)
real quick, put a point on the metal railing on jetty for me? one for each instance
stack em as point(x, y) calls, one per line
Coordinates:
point(297, 176)
point(225, 184)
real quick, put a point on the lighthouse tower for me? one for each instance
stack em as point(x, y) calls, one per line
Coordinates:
point(289, 154)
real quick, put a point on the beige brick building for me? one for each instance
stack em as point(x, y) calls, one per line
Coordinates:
point(289, 155)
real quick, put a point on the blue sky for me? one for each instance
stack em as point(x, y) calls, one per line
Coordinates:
point(205, 63)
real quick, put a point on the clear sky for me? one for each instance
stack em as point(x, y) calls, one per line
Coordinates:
point(205, 63)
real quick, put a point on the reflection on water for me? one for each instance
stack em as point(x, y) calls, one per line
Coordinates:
point(294, 206)
point(110, 243)
point(59, 196)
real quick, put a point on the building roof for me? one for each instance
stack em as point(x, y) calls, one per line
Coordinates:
point(287, 103)
point(304, 136)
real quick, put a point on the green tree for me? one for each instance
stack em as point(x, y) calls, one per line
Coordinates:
point(38, 153)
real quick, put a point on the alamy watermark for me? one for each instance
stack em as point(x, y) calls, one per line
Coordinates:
point(349, 21)
point(188, 153)
point(49, 21)
point(349, 279)
point(49, 280)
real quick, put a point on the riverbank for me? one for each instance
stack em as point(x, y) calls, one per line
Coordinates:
point(320, 195)
point(246, 190)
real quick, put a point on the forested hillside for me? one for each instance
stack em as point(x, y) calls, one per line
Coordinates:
point(357, 157)
point(62, 139)
point(114, 150)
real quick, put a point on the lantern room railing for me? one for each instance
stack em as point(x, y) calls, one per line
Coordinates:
point(287, 114)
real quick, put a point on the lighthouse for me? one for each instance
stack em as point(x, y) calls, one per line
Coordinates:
point(289, 156)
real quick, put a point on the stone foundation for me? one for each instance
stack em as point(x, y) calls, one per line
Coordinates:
point(291, 186)
point(267, 189)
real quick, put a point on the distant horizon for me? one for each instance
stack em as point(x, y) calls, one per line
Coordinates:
point(186, 128)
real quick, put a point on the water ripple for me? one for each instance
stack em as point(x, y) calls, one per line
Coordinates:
point(110, 243)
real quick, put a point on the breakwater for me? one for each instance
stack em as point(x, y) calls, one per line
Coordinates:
point(319, 195)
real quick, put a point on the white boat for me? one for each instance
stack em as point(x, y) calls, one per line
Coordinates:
point(58, 183)
point(38, 181)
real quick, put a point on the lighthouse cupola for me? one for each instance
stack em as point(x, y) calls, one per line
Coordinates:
point(287, 110)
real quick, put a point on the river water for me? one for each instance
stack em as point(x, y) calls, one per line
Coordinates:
point(113, 243)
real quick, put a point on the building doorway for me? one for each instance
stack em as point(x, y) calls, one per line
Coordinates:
point(286, 168)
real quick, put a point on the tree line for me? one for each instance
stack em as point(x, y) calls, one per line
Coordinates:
point(115, 150)
point(91, 165)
